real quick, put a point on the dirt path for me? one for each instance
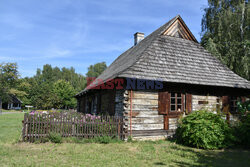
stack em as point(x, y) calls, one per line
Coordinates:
point(10, 112)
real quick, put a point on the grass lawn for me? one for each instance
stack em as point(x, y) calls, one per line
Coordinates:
point(160, 153)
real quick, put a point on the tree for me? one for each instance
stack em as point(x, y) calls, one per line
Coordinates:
point(23, 91)
point(226, 33)
point(40, 89)
point(50, 87)
point(64, 94)
point(8, 80)
point(96, 69)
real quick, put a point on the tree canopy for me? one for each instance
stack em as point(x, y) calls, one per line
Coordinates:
point(8, 80)
point(64, 92)
point(96, 69)
point(226, 33)
point(51, 87)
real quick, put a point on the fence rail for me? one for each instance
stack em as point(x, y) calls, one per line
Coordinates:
point(71, 125)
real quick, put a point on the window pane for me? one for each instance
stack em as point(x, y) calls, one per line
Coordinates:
point(178, 101)
point(178, 94)
point(179, 108)
point(172, 100)
point(172, 107)
point(172, 95)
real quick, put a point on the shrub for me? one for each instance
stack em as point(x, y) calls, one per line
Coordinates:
point(203, 129)
point(243, 107)
point(55, 137)
point(243, 131)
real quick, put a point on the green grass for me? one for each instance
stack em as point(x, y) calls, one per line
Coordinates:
point(160, 153)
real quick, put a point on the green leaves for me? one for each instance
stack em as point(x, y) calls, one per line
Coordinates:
point(8, 80)
point(51, 87)
point(243, 131)
point(226, 33)
point(203, 129)
point(64, 94)
point(96, 69)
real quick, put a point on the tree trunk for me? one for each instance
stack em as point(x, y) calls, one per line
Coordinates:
point(242, 20)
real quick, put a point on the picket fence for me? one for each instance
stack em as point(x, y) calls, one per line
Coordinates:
point(36, 126)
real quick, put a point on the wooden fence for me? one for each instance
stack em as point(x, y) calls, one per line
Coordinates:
point(37, 126)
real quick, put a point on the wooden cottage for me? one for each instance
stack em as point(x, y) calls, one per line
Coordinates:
point(13, 103)
point(162, 77)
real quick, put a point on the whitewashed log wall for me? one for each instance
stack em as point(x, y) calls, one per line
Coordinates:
point(144, 110)
point(212, 102)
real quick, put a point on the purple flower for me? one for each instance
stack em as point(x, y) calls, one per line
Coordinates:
point(88, 115)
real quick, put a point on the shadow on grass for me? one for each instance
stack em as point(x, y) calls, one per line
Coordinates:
point(160, 164)
point(227, 157)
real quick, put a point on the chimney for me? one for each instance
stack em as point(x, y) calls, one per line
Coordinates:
point(138, 37)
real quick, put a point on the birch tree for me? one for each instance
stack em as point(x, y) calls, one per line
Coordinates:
point(226, 33)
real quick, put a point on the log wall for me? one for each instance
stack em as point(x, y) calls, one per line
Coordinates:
point(210, 103)
point(144, 110)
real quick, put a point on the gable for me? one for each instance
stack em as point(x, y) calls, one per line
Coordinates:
point(180, 30)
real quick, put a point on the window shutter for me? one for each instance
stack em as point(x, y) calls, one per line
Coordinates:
point(225, 101)
point(163, 102)
point(225, 104)
point(188, 103)
point(226, 107)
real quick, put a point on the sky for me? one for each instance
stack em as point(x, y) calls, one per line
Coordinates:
point(79, 33)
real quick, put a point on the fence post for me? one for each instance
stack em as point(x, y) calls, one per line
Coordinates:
point(24, 127)
point(73, 125)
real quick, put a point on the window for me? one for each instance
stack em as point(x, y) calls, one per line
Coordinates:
point(233, 104)
point(177, 102)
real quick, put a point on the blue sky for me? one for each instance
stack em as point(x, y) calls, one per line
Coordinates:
point(79, 33)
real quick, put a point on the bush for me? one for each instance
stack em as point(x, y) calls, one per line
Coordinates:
point(243, 131)
point(55, 137)
point(203, 129)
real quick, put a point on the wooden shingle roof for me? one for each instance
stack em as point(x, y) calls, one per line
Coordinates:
point(173, 59)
